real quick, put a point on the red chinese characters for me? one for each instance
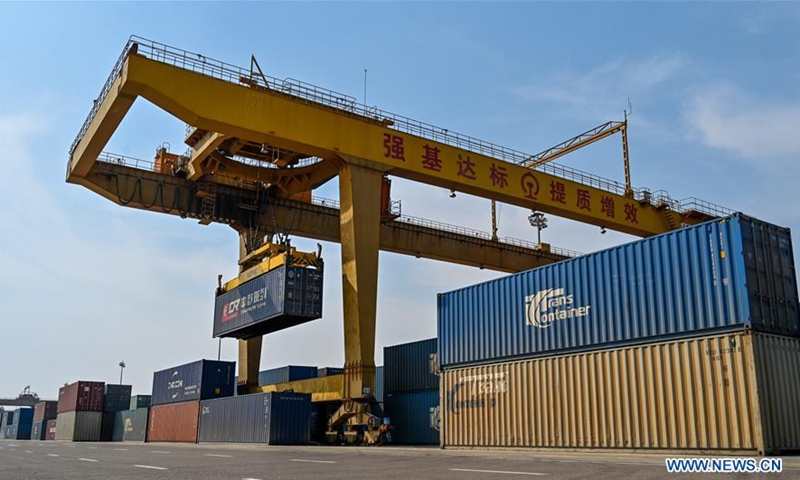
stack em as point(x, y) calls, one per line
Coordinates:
point(584, 200)
point(630, 213)
point(558, 192)
point(466, 167)
point(394, 148)
point(607, 206)
point(498, 176)
point(430, 159)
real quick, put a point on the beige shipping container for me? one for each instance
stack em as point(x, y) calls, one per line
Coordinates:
point(732, 392)
point(78, 426)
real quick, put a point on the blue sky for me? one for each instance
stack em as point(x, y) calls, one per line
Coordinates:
point(84, 283)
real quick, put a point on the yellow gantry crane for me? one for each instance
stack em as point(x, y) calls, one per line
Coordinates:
point(258, 146)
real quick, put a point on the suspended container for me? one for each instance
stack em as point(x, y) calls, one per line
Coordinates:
point(279, 299)
point(731, 274)
point(199, 380)
point(270, 418)
point(729, 392)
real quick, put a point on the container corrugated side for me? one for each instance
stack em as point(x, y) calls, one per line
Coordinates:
point(130, 425)
point(45, 410)
point(81, 396)
point(50, 434)
point(175, 422)
point(271, 418)
point(414, 417)
point(18, 431)
point(692, 394)
point(38, 430)
point(199, 380)
point(731, 274)
point(79, 426)
point(107, 426)
point(7, 418)
point(23, 416)
point(285, 374)
point(379, 384)
point(407, 367)
point(279, 299)
point(142, 401)
point(117, 397)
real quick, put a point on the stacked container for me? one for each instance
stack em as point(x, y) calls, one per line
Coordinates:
point(50, 433)
point(140, 401)
point(117, 398)
point(411, 398)
point(328, 371)
point(42, 412)
point(6, 419)
point(285, 374)
point(686, 340)
point(80, 411)
point(270, 418)
point(177, 393)
point(19, 424)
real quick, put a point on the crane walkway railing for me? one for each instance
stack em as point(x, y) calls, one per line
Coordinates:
point(346, 104)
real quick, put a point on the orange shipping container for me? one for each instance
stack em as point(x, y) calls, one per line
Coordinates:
point(176, 422)
point(733, 392)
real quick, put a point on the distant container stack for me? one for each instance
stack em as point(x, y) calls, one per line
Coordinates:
point(328, 371)
point(42, 413)
point(140, 401)
point(411, 392)
point(682, 341)
point(18, 424)
point(80, 411)
point(177, 392)
point(269, 418)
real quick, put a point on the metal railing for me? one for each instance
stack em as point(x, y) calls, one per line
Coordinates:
point(117, 159)
point(348, 105)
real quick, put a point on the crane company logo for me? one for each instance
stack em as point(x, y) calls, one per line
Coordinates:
point(530, 185)
point(478, 387)
point(551, 305)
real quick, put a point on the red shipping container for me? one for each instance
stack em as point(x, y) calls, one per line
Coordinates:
point(176, 422)
point(82, 397)
point(50, 434)
point(45, 410)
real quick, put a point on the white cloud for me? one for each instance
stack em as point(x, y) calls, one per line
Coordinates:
point(604, 89)
point(763, 131)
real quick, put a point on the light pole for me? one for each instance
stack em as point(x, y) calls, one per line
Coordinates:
point(121, 367)
point(539, 222)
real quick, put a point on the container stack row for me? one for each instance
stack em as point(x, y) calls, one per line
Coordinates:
point(687, 340)
point(16, 424)
point(80, 411)
point(411, 399)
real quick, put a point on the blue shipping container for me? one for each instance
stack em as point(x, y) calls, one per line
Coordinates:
point(285, 374)
point(199, 380)
point(379, 384)
point(729, 274)
point(117, 397)
point(327, 371)
point(130, 425)
point(22, 416)
point(271, 418)
point(18, 431)
point(407, 367)
point(279, 299)
point(414, 416)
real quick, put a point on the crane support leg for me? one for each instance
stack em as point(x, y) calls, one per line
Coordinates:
point(360, 220)
point(250, 349)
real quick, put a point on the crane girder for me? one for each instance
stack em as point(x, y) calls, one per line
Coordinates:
point(271, 117)
point(239, 208)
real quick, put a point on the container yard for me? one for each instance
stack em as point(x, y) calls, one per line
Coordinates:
point(207, 302)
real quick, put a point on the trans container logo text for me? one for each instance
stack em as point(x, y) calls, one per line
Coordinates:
point(551, 305)
point(230, 310)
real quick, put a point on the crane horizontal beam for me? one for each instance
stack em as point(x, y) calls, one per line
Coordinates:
point(240, 208)
point(217, 101)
